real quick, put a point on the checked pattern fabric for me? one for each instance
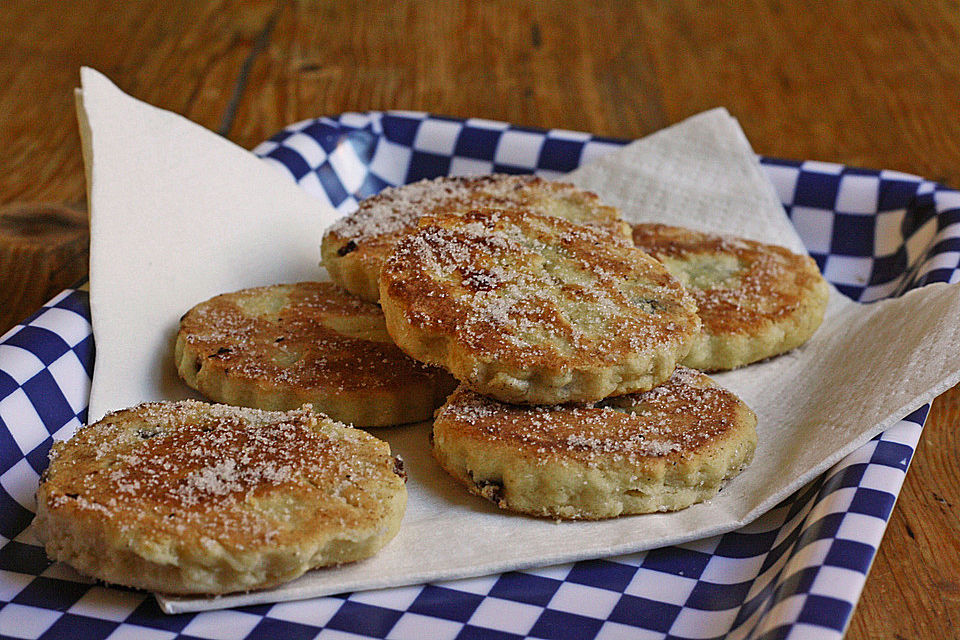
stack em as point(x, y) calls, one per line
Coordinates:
point(796, 572)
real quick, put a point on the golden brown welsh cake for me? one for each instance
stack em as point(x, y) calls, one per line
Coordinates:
point(535, 309)
point(355, 247)
point(283, 346)
point(189, 497)
point(755, 300)
point(660, 450)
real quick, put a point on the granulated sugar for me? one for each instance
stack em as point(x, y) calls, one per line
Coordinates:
point(192, 467)
point(678, 416)
point(512, 285)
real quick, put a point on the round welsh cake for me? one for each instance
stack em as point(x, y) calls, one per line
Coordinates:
point(755, 300)
point(535, 309)
point(355, 248)
point(189, 497)
point(660, 450)
point(286, 345)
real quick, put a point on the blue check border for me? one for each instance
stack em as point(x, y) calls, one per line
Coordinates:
point(795, 572)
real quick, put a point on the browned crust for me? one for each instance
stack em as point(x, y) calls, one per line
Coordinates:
point(515, 294)
point(283, 346)
point(776, 298)
point(686, 435)
point(194, 498)
point(354, 249)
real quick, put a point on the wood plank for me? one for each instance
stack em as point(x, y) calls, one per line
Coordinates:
point(179, 55)
point(526, 64)
point(863, 83)
point(43, 249)
point(801, 86)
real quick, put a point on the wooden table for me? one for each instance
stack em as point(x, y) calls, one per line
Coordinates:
point(863, 83)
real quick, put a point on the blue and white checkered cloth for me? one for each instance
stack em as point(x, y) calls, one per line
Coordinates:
point(794, 573)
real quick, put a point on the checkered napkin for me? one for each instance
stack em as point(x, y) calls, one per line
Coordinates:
point(793, 573)
point(800, 564)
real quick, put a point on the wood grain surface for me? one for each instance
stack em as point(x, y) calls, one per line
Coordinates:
point(864, 83)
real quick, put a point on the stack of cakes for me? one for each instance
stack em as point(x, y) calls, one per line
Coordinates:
point(558, 349)
point(571, 344)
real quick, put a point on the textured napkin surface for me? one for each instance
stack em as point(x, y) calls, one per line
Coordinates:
point(177, 215)
point(216, 219)
point(699, 173)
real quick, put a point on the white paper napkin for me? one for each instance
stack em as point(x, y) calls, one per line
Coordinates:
point(179, 215)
